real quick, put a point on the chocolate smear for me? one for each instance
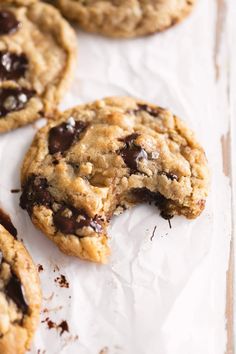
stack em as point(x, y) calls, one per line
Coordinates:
point(8, 22)
point(15, 292)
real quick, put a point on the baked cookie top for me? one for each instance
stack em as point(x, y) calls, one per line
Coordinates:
point(125, 18)
point(20, 295)
point(37, 57)
point(101, 158)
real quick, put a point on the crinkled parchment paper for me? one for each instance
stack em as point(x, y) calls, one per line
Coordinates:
point(161, 296)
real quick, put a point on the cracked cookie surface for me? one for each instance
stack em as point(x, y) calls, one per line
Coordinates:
point(37, 57)
point(125, 18)
point(20, 295)
point(101, 158)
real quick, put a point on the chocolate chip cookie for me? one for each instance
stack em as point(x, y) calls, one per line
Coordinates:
point(125, 18)
point(37, 57)
point(102, 158)
point(20, 296)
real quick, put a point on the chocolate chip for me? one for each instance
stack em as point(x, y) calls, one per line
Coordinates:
point(71, 224)
point(15, 292)
point(64, 135)
point(35, 193)
point(170, 176)
point(5, 221)
point(13, 99)
point(132, 153)
point(155, 112)
point(1, 257)
point(12, 66)
point(8, 22)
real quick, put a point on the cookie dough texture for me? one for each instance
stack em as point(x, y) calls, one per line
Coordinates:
point(101, 158)
point(37, 61)
point(125, 18)
point(19, 317)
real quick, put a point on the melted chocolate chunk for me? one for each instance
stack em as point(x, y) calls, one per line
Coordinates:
point(8, 22)
point(5, 221)
point(155, 112)
point(145, 195)
point(132, 153)
point(64, 135)
point(15, 292)
point(1, 257)
point(35, 193)
point(70, 225)
point(12, 66)
point(13, 99)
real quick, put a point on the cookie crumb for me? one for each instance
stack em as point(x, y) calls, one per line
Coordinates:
point(62, 327)
point(40, 268)
point(62, 281)
point(104, 350)
point(15, 190)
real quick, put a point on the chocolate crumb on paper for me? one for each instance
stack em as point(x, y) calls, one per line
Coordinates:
point(15, 190)
point(62, 281)
point(153, 233)
point(170, 226)
point(61, 327)
point(54, 309)
point(40, 268)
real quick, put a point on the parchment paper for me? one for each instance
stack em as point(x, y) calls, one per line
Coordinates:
point(160, 296)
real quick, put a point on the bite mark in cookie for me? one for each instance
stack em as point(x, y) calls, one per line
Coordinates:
point(113, 154)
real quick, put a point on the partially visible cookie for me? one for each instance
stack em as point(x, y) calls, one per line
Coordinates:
point(37, 57)
point(125, 18)
point(20, 296)
point(102, 158)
